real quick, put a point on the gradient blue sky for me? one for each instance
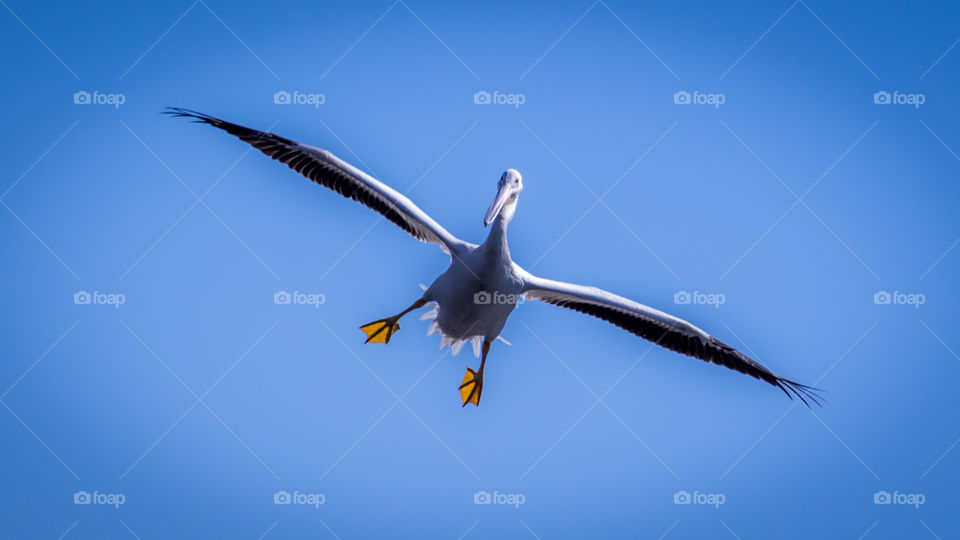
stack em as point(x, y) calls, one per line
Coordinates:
point(199, 398)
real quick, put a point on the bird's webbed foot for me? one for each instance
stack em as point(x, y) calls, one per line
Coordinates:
point(381, 331)
point(471, 387)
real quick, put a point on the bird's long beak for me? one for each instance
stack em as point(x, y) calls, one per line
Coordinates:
point(503, 195)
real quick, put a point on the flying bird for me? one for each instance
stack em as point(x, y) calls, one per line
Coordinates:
point(474, 297)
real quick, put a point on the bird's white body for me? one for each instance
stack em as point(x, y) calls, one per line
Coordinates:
point(478, 291)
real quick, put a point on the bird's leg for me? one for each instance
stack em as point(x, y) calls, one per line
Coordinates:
point(472, 384)
point(381, 330)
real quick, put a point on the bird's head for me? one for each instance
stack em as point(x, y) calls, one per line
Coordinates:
point(508, 191)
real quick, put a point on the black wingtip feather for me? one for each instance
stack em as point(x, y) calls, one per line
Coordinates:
point(248, 135)
point(802, 391)
point(180, 112)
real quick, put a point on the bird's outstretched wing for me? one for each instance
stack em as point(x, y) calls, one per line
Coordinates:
point(332, 172)
point(656, 326)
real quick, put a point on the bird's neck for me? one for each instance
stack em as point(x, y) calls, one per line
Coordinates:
point(497, 237)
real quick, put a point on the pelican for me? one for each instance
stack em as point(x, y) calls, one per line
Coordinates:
point(474, 297)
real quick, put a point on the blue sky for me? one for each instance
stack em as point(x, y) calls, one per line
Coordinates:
point(790, 199)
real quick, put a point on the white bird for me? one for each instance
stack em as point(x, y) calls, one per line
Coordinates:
point(482, 286)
